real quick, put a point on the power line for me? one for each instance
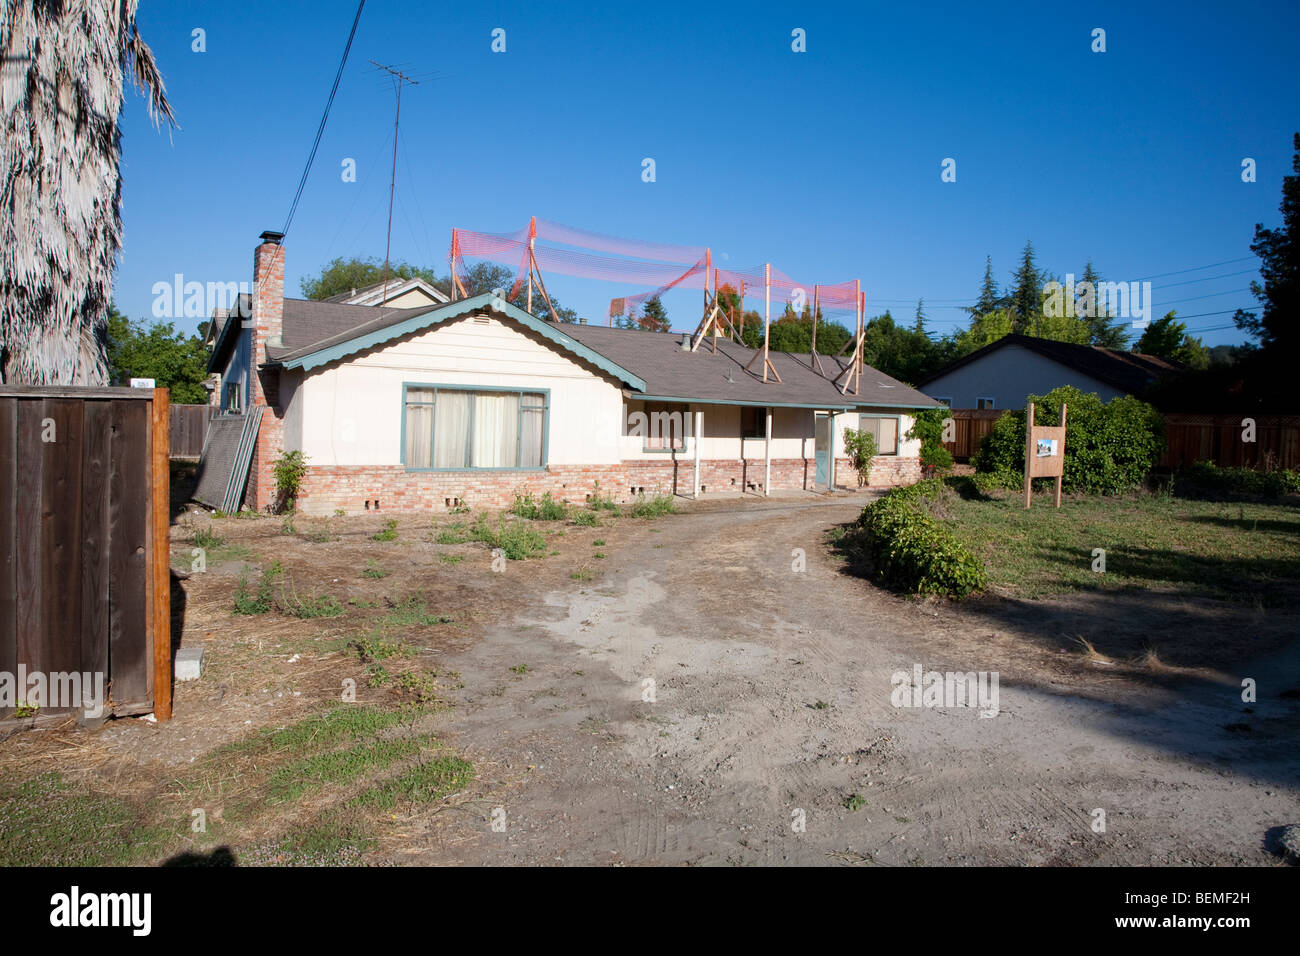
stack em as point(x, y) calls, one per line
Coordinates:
point(1226, 262)
point(320, 130)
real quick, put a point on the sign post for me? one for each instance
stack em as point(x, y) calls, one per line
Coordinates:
point(1044, 453)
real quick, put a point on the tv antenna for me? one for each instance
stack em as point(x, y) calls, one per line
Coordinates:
point(392, 185)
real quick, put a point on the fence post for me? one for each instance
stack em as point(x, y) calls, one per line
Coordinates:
point(160, 490)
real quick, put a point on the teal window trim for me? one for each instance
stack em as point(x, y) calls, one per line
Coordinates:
point(898, 432)
point(521, 392)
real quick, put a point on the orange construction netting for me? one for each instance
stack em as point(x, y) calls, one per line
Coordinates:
point(651, 266)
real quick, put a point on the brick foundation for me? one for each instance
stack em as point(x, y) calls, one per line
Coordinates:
point(327, 488)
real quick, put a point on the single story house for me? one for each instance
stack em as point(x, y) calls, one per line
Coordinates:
point(1004, 373)
point(422, 407)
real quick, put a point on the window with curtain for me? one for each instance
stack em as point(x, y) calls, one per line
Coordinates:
point(884, 430)
point(666, 426)
point(466, 428)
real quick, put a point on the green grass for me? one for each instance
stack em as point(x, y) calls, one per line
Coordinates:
point(1235, 552)
point(413, 612)
point(654, 507)
point(373, 571)
point(338, 767)
point(456, 533)
point(452, 559)
point(425, 782)
point(321, 731)
point(45, 822)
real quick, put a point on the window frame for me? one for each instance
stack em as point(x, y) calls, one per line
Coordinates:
point(898, 433)
point(992, 403)
point(687, 415)
point(760, 422)
point(521, 391)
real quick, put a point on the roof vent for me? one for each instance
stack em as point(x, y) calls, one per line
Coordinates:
point(731, 377)
point(271, 237)
point(686, 341)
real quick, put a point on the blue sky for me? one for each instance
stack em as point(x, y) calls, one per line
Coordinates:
point(826, 163)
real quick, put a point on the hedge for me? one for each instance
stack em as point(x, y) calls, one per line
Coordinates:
point(1206, 479)
point(1110, 447)
point(910, 550)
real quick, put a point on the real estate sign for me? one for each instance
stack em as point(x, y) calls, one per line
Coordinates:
point(1044, 452)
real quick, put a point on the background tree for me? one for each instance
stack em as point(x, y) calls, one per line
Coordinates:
point(174, 360)
point(653, 317)
point(1167, 338)
point(1279, 256)
point(1026, 297)
point(346, 275)
point(1103, 328)
point(65, 66)
point(989, 299)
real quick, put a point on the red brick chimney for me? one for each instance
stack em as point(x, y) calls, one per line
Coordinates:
point(266, 329)
point(268, 309)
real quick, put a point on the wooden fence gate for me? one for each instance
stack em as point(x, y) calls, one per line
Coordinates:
point(189, 426)
point(85, 583)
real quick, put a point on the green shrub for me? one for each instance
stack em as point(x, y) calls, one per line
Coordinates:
point(1110, 447)
point(909, 549)
point(546, 508)
point(516, 539)
point(1205, 479)
point(860, 446)
point(289, 470)
point(586, 519)
point(928, 425)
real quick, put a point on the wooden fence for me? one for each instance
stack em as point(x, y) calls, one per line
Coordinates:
point(1222, 439)
point(1189, 438)
point(189, 427)
point(970, 425)
point(84, 578)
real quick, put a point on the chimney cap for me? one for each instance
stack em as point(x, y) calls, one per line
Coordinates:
point(271, 237)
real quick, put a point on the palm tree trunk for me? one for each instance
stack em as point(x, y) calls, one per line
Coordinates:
point(62, 69)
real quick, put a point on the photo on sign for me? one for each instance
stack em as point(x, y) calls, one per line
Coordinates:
point(1046, 447)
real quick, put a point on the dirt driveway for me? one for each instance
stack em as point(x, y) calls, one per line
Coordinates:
point(771, 704)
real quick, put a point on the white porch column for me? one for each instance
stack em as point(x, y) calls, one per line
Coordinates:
point(699, 430)
point(767, 453)
point(831, 485)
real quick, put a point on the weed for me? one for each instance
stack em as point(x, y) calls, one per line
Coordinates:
point(245, 602)
point(854, 802)
point(389, 532)
point(423, 783)
point(452, 559)
point(517, 540)
point(373, 570)
point(654, 507)
point(586, 519)
point(413, 612)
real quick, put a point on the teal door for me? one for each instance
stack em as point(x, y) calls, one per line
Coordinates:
point(822, 452)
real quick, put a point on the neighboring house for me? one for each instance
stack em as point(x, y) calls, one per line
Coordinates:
point(1004, 373)
point(415, 408)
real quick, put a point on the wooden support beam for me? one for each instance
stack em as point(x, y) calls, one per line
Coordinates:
point(160, 558)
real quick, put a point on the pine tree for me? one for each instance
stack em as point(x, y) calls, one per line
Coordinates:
point(1026, 297)
point(653, 318)
point(1103, 328)
point(989, 300)
point(920, 317)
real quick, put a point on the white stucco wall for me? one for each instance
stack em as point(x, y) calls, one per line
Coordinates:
point(907, 448)
point(1009, 375)
point(352, 411)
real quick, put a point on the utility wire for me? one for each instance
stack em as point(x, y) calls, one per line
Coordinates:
point(320, 130)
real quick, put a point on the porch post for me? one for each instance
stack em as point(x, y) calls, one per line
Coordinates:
point(699, 428)
point(831, 479)
point(767, 454)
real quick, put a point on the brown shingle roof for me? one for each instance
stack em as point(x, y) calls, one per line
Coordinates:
point(1134, 372)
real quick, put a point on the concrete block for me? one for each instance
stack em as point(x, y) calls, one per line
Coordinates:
point(189, 663)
